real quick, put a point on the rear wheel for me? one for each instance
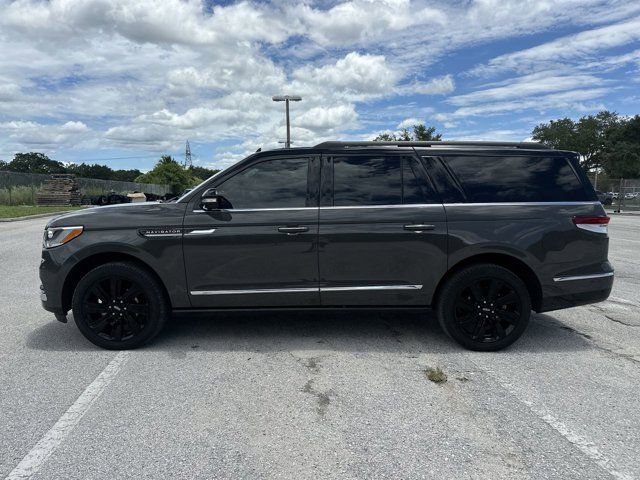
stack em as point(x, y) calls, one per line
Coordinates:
point(119, 306)
point(484, 307)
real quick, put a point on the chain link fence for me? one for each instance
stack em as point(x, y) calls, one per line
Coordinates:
point(620, 193)
point(20, 188)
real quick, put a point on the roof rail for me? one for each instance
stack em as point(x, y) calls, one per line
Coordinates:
point(527, 145)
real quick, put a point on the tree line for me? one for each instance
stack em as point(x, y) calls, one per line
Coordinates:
point(607, 142)
point(166, 172)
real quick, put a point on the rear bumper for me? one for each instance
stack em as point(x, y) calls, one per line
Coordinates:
point(572, 291)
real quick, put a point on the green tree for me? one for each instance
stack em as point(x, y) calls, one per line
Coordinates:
point(202, 172)
point(420, 133)
point(587, 136)
point(34, 162)
point(622, 150)
point(3, 165)
point(169, 172)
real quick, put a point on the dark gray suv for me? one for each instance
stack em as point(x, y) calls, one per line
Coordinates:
point(483, 233)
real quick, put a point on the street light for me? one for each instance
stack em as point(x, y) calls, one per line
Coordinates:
point(287, 99)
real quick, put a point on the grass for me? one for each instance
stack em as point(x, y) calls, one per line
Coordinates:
point(17, 211)
point(436, 375)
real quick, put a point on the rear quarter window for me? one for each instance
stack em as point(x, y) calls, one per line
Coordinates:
point(489, 179)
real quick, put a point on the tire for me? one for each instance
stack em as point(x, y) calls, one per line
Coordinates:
point(133, 316)
point(484, 307)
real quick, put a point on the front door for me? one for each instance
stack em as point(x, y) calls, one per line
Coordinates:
point(383, 233)
point(262, 249)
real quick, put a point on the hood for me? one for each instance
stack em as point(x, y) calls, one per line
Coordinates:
point(124, 215)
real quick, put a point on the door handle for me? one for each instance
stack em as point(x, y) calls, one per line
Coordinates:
point(293, 230)
point(419, 227)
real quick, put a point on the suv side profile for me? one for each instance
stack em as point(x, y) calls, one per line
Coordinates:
point(483, 233)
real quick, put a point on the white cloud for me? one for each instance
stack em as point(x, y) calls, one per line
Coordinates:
point(527, 86)
point(576, 47)
point(355, 76)
point(436, 86)
point(45, 136)
point(328, 118)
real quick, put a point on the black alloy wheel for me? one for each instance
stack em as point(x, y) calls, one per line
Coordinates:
point(484, 307)
point(119, 305)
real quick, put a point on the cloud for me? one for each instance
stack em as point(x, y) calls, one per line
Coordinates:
point(576, 47)
point(45, 136)
point(527, 86)
point(436, 86)
point(327, 118)
point(355, 76)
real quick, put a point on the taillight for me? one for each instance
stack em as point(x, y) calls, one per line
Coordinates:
point(597, 224)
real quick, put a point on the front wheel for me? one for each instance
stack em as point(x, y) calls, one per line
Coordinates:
point(119, 306)
point(484, 307)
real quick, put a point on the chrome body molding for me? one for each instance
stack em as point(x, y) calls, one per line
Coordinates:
point(583, 277)
point(252, 291)
point(371, 287)
point(208, 231)
point(306, 289)
point(516, 204)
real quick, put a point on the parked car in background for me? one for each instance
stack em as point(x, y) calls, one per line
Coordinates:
point(605, 198)
point(482, 233)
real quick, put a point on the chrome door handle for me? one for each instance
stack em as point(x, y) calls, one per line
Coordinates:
point(293, 230)
point(419, 227)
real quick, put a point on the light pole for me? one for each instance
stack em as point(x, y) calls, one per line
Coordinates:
point(287, 99)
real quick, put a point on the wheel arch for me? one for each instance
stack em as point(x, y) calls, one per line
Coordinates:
point(95, 260)
point(513, 264)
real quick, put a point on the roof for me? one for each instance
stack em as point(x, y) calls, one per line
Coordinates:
point(434, 144)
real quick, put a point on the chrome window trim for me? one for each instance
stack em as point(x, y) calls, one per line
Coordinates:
point(583, 277)
point(411, 205)
point(255, 209)
point(408, 205)
point(305, 289)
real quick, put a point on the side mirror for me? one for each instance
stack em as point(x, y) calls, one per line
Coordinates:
point(210, 200)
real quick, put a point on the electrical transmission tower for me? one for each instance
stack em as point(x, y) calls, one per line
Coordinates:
point(187, 156)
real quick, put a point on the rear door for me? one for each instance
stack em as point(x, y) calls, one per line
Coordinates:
point(382, 232)
point(262, 249)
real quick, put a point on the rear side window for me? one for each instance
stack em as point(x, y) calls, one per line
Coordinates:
point(377, 180)
point(516, 179)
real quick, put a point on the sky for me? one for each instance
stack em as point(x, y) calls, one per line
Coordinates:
point(121, 82)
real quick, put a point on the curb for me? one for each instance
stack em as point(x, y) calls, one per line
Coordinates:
point(37, 215)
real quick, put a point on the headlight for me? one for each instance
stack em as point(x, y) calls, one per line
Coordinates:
point(56, 236)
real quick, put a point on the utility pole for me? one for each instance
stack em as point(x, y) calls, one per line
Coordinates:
point(287, 99)
point(187, 156)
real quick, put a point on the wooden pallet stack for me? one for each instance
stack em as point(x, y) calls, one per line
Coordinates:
point(60, 189)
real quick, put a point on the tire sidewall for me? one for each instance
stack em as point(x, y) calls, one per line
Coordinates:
point(147, 283)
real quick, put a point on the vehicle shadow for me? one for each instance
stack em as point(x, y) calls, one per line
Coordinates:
point(407, 332)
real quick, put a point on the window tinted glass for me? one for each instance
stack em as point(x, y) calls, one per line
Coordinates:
point(517, 179)
point(362, 180)
point(278, 183)
point(412, 188)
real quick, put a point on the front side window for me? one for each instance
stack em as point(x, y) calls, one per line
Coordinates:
point(516, 179)
point(278, 183)
point(361, 180)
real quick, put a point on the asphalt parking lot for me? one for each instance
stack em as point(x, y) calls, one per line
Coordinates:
point(255, 395)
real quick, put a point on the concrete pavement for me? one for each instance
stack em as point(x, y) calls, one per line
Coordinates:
point(295, 395)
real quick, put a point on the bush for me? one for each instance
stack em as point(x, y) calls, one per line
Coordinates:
point(23, 195)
